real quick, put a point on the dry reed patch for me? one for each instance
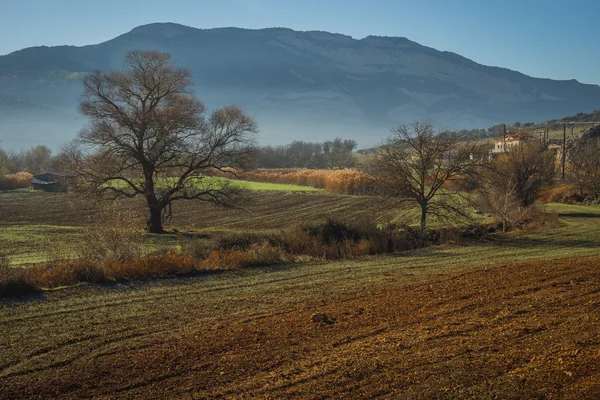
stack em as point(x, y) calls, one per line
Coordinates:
point(336, 181)
point(15, 181)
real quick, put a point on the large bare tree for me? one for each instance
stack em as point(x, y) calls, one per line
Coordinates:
point(414, 164)
point(150, 136)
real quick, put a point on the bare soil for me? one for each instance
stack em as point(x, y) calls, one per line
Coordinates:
point(518, 331)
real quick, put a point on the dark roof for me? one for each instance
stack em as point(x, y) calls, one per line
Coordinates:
point(49, 177)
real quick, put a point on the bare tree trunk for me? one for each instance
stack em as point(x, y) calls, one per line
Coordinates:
point(423, 216)
point(155, 221)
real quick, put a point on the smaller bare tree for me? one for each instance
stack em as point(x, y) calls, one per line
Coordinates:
point(3, 162)
point(510, 184)
point(498, 196)
point(414, 164)
point(37, 159)
point(584, 163)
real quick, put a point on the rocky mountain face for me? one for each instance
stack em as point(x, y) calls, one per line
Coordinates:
point(297, 85)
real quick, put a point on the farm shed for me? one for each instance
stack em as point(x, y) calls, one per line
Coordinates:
point(50, 181)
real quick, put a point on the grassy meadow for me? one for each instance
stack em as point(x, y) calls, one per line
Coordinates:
point(515, 315)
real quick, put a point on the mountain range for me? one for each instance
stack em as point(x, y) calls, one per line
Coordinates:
point(298, 85)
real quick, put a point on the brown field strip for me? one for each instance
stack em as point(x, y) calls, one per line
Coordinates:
point(523, 330)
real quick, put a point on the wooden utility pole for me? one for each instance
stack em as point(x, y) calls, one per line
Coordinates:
point(564, 150)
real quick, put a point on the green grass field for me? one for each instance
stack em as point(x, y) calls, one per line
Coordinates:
point(277, 187)
point(247, 185)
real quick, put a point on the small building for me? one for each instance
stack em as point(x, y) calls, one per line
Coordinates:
point(50, 181)
point(505, 145)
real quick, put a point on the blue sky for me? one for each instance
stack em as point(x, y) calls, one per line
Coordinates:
point(555, 39)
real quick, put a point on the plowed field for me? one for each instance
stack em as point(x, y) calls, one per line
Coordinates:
point(526, 330)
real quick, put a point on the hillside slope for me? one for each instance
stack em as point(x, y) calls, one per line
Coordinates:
point(309, 84)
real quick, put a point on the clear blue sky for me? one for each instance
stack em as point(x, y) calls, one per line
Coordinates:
point(555, 39)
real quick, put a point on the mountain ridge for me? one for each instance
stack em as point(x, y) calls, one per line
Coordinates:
point(308, 84)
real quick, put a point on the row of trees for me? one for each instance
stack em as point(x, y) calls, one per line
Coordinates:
point(35, 160)
point(330, 154)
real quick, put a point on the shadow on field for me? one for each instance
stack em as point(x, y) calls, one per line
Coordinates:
point(13, 300)
point(524, 243)
point(579, 215)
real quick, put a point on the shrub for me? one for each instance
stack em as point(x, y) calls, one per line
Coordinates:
point(14, 283)
point(243, 241)
point(331, 239)
point(152, 266)
point(194, 247)
point(255, 255)
point(338, 240)
point(111, 236)
point(63, 274)
point(535, 218)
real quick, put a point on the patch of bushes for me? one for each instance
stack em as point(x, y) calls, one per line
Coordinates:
point(337, 240)
point(243, 241)
point(535, 218)
point(256, 254)
point(152, 266)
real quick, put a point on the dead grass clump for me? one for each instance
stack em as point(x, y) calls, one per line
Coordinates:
point(256, 254)
point(152, 266)
point(50, 276)
point(15, 181)
point(68, 273)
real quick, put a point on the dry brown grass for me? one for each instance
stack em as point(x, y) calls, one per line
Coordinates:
point(15, 181)
point(560, 193)
point(255, 255)
point(336, 181)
